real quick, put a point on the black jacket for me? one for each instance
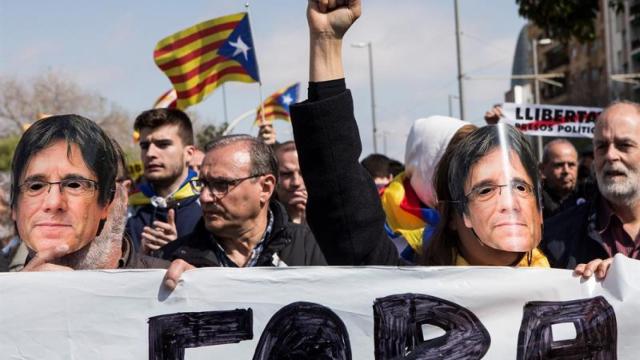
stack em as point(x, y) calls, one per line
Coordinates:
point(187, 214)
point(343, 209)
point(131, 259)
point(294, 244)
point(570, 237)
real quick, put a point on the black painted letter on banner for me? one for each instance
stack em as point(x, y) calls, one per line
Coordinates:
point(304, 331)
point(170, 334)
point(398, 321)
point(594, 320)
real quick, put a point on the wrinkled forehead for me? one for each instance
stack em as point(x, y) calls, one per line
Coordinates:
point(620, 121)
point(496, 167)
point(59, 158)
point(232, 160)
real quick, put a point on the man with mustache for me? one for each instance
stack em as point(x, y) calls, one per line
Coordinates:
point(164, 205)
point(241, 224)
point(610, 224)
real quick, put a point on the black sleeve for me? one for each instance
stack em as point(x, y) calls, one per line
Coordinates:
point(343, 210)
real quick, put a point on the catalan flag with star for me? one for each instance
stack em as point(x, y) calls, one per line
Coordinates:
point(277, 105)
point(199, 59)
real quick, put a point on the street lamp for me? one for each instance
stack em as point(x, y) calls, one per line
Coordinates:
point(536, 84)
point(373, 100)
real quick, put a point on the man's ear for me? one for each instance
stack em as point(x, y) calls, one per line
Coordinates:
point(268, 187)
point(188, 153)
point(467, 221)
point(541, 171)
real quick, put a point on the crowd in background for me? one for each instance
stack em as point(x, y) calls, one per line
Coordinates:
point(465, 194)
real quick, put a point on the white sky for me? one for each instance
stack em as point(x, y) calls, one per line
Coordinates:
point(107, 47)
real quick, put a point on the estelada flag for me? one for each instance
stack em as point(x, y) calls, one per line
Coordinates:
point(200, 58)
point(277, 105)
point(167, 100)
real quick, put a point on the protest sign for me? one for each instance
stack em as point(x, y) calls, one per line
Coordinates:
point(551, 120)
point(349, 313)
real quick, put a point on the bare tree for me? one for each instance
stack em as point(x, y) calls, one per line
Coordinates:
point(23, 102)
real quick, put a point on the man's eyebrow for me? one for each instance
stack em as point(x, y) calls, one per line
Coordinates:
point(36, 177)
point(73, 176)
point(482, 183)
point(488, 182)
point(217, 179)
point(624, 139)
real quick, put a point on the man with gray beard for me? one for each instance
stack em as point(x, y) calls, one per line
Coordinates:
point(610, 223)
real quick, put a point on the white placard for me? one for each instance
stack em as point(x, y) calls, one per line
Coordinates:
point(106, 314)
point(551, 120)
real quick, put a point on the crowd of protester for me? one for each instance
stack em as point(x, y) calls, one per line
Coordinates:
point(465, 195)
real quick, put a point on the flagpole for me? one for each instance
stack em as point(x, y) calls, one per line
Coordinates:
point(262, 119)
point(224, 103)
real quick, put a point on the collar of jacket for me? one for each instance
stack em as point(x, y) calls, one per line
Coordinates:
point(200, 245)
point(144, 192)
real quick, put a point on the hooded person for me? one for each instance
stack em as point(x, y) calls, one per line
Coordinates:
point(410, 201)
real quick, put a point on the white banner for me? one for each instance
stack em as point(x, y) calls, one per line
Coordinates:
point(343, 313)
point(551, 120)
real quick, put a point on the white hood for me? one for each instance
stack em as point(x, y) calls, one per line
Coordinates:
point(427, 141)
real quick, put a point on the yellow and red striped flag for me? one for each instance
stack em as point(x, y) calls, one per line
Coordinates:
point(199, 59)
point(167, 100)
point(276, 106)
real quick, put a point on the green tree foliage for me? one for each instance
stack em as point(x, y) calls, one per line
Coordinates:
point(565, 19)
point(208, 133)
point(7, 147)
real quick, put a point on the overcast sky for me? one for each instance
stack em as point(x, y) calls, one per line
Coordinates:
point(107, 47)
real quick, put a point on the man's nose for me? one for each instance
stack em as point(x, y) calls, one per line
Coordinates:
point(206, 196)
point(152, 151)
point(507, 201)
point(54, 199)
point(296, 179)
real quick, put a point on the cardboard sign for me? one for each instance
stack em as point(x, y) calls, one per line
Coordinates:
point(339, 313)
point(550, 120)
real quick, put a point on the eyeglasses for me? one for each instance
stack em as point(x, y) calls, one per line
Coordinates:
point(73, 187)
point(218, 187)
point(486, 193)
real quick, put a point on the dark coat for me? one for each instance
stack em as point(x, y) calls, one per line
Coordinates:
point(570, 237)
point(132, 259)
point(293, 243)
point(343, 210)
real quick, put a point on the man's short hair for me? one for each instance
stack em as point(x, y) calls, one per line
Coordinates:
point(156, 118)
point(377, 165)
point(123, 169)
point(546, 156)
point(477, 145)
point(263, 159)
point(289, 145)
point(95, 146)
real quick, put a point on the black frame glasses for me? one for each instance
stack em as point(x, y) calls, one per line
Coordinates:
point(487, 192)
point(218, 187)
point(73, 186)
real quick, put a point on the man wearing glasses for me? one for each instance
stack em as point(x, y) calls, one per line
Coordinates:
point(63, 185)
point(241, 225)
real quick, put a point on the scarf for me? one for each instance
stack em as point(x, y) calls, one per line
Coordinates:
point(144, 194)
point(406, 215)
point(538, 259)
